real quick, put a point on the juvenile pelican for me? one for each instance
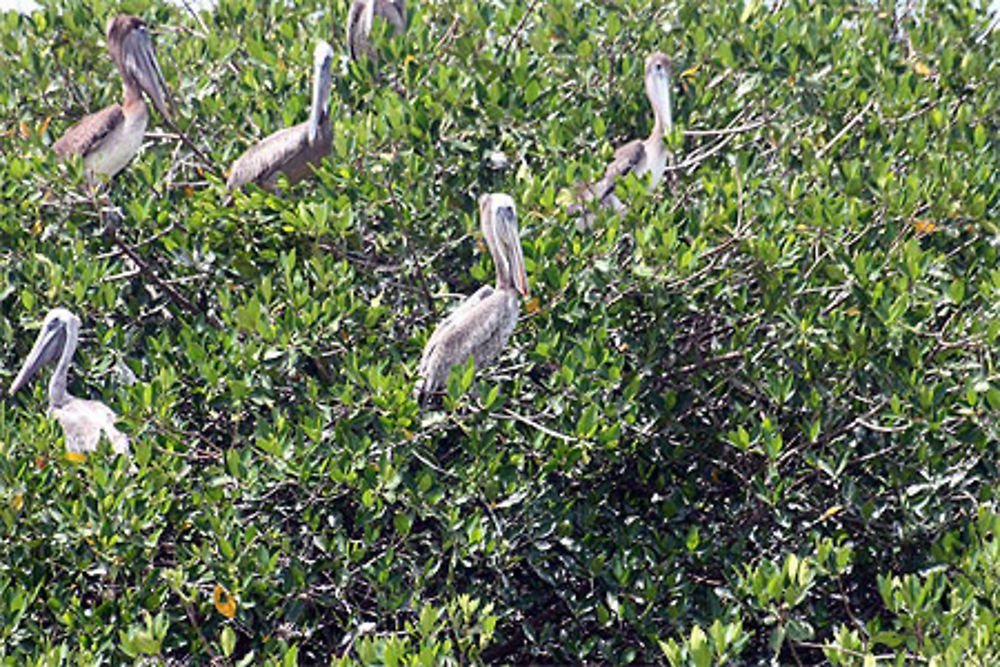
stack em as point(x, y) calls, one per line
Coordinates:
point(293, 151)
point(480, 326)
point(638, 156)
point(111, 137)
point(82, 420)
point(361, 17)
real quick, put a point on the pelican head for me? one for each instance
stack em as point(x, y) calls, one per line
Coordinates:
point(56, 339)
point(498, 217)
point(658, 79)
point(322, 66)
point(132, 51)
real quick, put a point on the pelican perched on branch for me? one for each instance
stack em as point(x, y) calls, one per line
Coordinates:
point(480, 326)
point(109, 138)
point(83, 421)
point(640, 156)
point(361, 17)
point(293, 151)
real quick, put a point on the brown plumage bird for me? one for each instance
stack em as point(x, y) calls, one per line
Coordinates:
point(640, 156)
point(361, 17)
point(294, 151)
point(109, 138)
point(481, 325)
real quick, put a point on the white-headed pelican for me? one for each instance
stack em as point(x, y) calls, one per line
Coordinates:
point(293, 151)
point(640, 156)
point(481, 325)
point(83, 421)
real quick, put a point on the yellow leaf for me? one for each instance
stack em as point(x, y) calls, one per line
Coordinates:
point(409, 59)
point(75, 457)
point(17, 502)
point(188, 191)
point(533, 306)
point(921, 68)
point(924, 226)
point(833, 511)
point(227, 606)
point(853, 311)
point(690, 72)
point(44, 126)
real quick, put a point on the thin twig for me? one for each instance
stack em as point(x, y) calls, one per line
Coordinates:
point(439, 53)
point(847, 128)
point(209, 164)
point(729, 130)
point(517, 31)
point(111, 230)
point(197, 628)
point(197, 17)
point(881, 429)
point(408, 242)
point(533, 424)
point(711, 361)
point(859, 654)
point(124, 275)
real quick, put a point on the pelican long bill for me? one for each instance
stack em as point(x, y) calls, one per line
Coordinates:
point(139, 60)
point(48, 346)
point(322, 64)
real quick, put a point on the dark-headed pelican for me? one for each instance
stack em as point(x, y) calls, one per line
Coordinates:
point(293, 151)
point(361, 17)
point(481, 325)
point(83, 421)
point(640, 156)
point(111, 137)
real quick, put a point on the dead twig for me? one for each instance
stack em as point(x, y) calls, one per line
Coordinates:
point(517, 31)
point(197, 628)
point(388, 187)
point(535, 425)
point(847, 128)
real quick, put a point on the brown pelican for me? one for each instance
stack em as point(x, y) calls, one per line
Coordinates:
point(480, 326)
point(293, 151)
point(360, 18)
point(639, 156)
point(82, 420)
point(109, 138)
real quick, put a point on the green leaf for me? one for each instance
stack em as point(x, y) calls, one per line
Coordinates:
point(227, 639)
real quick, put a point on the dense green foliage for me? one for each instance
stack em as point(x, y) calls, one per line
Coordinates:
point(753, 418)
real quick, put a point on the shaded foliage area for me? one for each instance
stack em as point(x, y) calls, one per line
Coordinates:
point(753, 417)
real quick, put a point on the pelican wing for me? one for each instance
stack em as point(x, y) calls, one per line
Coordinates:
point(456, 315)
point(262, 161)
point(84, 421)
point(627, 158)
point(89, 133)
point(479, 328)
point(393, 11)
